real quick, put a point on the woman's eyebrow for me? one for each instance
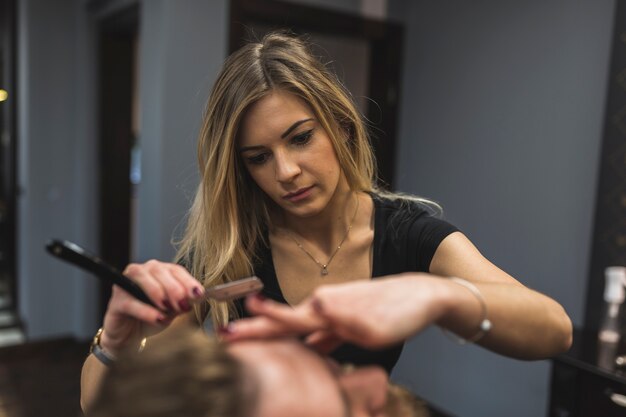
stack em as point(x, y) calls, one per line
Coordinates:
point(293, 126)
point(250, 148)
point(285, 133)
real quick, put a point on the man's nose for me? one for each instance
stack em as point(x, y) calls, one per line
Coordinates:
point(287, 168)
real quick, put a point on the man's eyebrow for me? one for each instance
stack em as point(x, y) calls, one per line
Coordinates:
point(293, 126)
point(346, 402)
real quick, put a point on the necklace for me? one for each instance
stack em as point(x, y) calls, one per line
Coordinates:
point(324, 267)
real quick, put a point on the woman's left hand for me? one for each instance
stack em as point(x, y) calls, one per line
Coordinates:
point(372, 314)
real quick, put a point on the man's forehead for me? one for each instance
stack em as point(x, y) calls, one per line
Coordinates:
point(270, 346)
point(293, 378)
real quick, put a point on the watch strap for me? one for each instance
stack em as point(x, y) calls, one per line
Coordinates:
point(98, 352)
point(102, 356)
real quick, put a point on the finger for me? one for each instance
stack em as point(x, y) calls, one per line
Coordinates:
point(348, 327)
point(194, 289)
point(302, 319)
point(128, 306)
point(175, 294)
point(138, 274)
point(255, 328)
point(323, 342)
point(126, 317)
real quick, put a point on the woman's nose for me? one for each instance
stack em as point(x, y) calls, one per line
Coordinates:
point(286, 167)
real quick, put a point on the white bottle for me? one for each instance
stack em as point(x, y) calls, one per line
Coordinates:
point(611, 327)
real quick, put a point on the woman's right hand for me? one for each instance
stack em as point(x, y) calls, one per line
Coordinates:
point(128, 320)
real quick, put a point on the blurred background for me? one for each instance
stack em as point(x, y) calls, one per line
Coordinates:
point(509, 113)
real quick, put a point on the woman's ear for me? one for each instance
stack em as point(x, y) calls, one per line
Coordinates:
point(347, 131)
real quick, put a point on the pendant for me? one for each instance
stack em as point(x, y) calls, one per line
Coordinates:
point(324, 270)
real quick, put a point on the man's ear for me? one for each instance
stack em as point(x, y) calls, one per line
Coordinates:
point(366, 389)
point(403, 403)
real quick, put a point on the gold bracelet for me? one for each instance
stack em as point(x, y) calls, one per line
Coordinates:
point(485, 323)
point(96, 349)
point(142, 344)
point(104, 357)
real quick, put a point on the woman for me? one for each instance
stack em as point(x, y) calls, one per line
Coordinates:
point(288, 193)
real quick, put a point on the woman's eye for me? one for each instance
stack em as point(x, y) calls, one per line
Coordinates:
point(258, 159)
point(302, 138)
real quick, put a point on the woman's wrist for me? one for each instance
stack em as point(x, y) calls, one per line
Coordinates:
point(467, 313)
point(107, 347)
point(459, 304)
point(113, 347)
point(485, 324)
point(442, 297)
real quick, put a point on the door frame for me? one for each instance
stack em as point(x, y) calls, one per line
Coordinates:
point(9, 220)
point(384, 38)
point(117, 35)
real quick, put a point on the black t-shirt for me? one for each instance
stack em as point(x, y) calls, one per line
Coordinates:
point(406, 236)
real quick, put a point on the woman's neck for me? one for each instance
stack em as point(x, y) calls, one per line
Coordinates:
point(327, 227)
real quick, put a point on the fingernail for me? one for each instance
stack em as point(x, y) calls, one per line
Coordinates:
point(163, 320)
point(167, 304)
point(317, 305)
point(259, 297)
point(197, 292)
point(184, 305)
point(224, 330)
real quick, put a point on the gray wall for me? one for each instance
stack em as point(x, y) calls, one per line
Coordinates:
point(502, 112)
point(501, 122)
point(56, 156)
point(184, 43)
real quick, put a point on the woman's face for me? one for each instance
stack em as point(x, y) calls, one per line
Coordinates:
point(289, 155)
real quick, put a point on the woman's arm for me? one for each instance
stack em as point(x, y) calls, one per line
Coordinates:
point(381, 312)
point(94, 371)
point(127, 320)
point(525, 323)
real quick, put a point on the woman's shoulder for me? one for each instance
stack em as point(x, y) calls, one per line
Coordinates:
point(409, 229)
point(404, 206)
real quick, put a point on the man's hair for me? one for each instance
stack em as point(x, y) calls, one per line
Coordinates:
point(187, 375)
point(403, 403)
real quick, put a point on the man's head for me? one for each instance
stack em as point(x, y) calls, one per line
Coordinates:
point(189, 374)
point(183, 374)
point(295, 381)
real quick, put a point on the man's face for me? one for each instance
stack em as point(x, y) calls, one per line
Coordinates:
point(295, 381)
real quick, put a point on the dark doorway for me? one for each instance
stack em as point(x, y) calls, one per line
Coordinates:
point(8, 166)
point(366, 54)
point(609, 236)
point(118, 39)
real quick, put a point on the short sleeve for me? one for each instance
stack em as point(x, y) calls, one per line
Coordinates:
point(424, 236)
point(406, 236)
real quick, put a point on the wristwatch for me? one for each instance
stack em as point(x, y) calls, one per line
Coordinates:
point(97, 351)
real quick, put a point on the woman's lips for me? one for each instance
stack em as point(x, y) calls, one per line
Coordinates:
point(301, 194)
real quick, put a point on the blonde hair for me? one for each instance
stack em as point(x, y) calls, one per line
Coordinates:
point(403, 403)
point(187, 375)
point(229, 214)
